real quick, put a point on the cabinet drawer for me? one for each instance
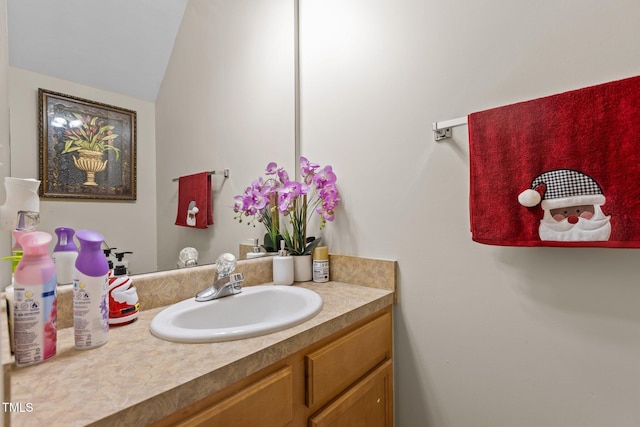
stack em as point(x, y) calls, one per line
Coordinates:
point(265, 403)
point(333, 368)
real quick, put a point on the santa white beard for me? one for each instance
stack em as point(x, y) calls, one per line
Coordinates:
point(598, 228)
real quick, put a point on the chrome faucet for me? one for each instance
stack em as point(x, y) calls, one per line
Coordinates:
point(224, 283)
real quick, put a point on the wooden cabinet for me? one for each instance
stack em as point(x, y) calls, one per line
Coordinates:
point(269, 400)
point(343, 380)
point(369, 403)
point(355, 374)
point(337, 365)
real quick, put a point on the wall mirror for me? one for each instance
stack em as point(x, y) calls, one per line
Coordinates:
point(213, 84)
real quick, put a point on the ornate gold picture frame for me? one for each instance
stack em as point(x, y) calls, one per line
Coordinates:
point(87, 149)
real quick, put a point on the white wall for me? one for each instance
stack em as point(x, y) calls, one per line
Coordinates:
point(5, 147)
point(127, 226)
point(5, 154)
point(484, 336)
point(227, 101)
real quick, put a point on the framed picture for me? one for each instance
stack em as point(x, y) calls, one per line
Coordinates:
point(87, 149)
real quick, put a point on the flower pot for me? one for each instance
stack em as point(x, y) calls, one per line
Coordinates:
point(302, 268)
point(90, 162)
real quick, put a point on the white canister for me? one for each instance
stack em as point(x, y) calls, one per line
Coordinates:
point(321, 264)
point(282, 267)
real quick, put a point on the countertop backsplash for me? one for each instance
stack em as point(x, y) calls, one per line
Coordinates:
point(168, 287)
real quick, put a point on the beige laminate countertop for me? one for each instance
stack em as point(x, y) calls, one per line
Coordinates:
point(137, 378)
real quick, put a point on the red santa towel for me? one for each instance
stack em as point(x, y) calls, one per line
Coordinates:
point(195, 207)
point(563, 170)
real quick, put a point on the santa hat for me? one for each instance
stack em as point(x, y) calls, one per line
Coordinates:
point(560, 188)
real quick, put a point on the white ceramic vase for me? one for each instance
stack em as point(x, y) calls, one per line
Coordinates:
point(302, 268)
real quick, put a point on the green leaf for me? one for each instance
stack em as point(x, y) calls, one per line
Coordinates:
point(82, 132)
point(71, 149)
point(67, 145)
point(312, 245)
point(109, 147)
point(269, 246)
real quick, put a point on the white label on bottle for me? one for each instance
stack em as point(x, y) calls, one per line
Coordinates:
point(90, 311)
point(320, 271)
point(34, 318)
point(65, 266)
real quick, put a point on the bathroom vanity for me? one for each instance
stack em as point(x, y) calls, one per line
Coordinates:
point(332, 368)
point(342, 379)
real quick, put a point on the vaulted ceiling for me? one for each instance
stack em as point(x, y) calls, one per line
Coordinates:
point(121, 46)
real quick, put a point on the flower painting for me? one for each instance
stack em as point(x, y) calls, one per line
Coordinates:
point(87, 149)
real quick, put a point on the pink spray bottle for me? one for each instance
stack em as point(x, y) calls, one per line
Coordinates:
point(35, 301)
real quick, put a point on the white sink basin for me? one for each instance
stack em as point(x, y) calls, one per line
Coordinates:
point(257, 310)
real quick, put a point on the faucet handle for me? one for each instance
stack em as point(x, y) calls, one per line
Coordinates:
point(236, 277)
point(225, 264)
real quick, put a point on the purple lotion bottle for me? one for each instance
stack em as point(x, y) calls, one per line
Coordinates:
point(90, 284)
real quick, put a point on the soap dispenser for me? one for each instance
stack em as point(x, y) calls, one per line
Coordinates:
point(110, 259)
point(283, 267)
point(123, 297)
point(255, 251)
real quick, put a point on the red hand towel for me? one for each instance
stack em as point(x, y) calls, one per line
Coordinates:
point(195, 207)
point(562, 170)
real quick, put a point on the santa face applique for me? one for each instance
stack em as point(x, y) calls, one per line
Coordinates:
point(571, 201)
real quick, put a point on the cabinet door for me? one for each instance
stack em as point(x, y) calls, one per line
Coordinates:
point(265, 403)
point(333, 368)
point(369, 403)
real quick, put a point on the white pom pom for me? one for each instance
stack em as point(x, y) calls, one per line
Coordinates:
point(194, 210)
point(529, 198)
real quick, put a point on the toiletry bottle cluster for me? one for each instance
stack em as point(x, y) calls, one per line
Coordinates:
point(103, 295)
point(283, 266)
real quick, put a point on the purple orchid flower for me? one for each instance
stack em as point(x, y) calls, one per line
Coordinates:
point(317, 187)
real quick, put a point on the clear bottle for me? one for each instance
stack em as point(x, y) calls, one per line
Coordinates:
point(64, 255)
point(35, 301)
point(90, 304)
point(283, 267)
